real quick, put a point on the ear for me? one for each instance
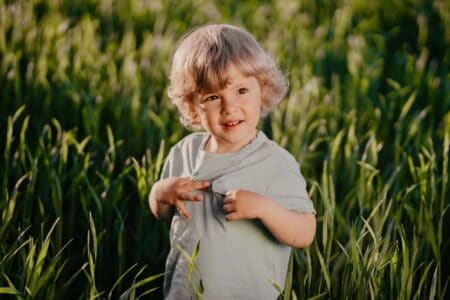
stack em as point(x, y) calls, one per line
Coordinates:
point(193, 114)
point(264, 97)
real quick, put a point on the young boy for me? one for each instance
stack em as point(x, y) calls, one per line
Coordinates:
point(231, 188)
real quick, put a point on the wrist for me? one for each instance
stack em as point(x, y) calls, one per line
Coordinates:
point(267, 206)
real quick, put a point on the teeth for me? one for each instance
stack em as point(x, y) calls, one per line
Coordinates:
point(232, 123)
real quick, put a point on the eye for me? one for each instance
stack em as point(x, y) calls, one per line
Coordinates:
point(242, 91)
point(210, 98)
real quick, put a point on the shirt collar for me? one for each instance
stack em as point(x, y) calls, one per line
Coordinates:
point(210, 165)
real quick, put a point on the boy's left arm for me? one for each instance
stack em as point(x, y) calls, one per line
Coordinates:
point(295, 229)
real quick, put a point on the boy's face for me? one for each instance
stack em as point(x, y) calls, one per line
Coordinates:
point(231, 114)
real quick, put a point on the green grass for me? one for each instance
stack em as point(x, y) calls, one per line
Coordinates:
point(85, 124)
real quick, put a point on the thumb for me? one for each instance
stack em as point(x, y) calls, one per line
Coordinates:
point(232, 216)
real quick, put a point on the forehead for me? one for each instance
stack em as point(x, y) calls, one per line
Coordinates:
point(234, 75)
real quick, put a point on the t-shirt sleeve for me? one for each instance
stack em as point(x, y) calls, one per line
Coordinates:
point(181, 157)
point(289, 189)
point(171, 166)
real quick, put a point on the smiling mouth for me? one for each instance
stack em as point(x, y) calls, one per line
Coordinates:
point(231, 124)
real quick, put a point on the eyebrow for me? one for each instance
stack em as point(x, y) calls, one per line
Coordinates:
point(241, 81)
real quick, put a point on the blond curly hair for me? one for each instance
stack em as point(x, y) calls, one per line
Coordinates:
point(200, 62)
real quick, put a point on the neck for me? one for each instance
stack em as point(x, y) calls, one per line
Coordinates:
point(214, 145)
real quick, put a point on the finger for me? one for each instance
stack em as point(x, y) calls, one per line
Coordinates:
point(182, 181)
point(228, 208)
point(190, 196)
point(230, 193)
point(199, 185)
point(227, 200)
point(190, 185)
point(185, 183)
point(232, 216)
point(182, 210)
point(184, 214)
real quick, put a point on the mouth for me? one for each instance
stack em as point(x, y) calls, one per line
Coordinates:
point(231, 124)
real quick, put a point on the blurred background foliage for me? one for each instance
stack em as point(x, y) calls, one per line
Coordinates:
point(85, 124)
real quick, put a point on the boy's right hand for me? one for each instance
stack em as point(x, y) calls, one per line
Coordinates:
point(174, 191)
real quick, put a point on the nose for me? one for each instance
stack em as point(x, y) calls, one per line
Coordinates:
point(229, 104)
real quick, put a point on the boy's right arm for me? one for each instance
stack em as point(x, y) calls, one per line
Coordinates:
point(173, 191)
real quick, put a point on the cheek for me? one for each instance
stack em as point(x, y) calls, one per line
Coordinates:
point(257, 115)
point(258, 108)
point(205, 120)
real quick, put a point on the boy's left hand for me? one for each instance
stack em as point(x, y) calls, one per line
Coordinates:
point(242, 204)
point(292, 228)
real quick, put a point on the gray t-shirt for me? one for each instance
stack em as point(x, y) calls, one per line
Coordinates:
point(238, 259)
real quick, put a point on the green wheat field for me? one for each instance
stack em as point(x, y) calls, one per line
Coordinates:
point(85, 124)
